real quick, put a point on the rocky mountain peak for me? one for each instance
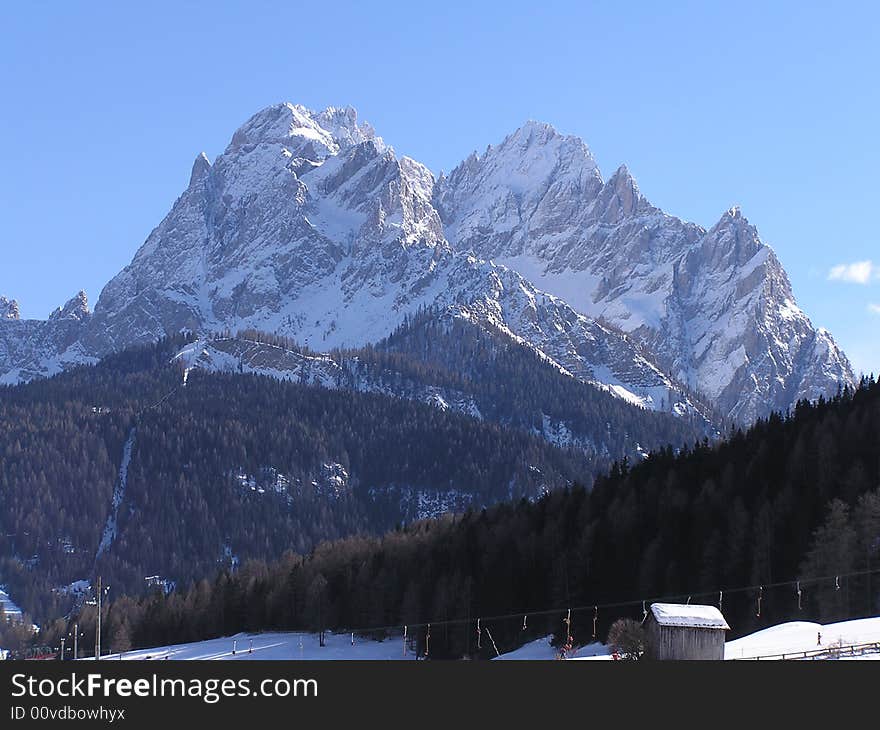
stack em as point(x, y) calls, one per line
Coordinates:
point(489, 201)
point(343, 125)
point(315, 135)
point(9, 309)
point(76, 308)
point(540, 142)
point(286, 124)
point(733, 241)
point(622, 176)
point(621, 194)
point(200, 169)
point(535, 132)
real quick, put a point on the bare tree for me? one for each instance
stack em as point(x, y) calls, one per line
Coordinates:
point(628, 639)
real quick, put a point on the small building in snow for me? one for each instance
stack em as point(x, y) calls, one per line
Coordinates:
point(684, 631)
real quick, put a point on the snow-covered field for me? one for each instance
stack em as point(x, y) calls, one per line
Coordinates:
point(789, 638)
point(276, 645)
point(800, 636)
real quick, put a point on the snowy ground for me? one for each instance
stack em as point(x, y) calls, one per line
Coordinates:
point(799, 636)
point(789, 638)
point(541, 649)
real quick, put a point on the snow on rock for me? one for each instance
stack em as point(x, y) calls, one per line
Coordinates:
point(417, 503)
point(9, 309)
point(242, 355)
point(157, 582)
point(76, 588)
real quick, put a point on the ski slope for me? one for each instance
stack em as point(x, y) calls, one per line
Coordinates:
point(789, 638)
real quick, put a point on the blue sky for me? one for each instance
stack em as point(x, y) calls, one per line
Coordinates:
point(105, 106)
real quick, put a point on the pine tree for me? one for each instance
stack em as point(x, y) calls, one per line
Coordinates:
point(831, 554)
point(866, 518)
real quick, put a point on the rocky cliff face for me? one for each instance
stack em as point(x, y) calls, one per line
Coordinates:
point(310, 226)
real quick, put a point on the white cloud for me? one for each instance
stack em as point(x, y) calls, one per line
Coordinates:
point(859, 272)
point(874, 308)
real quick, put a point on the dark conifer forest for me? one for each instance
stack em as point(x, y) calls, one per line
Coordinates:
point(505, 382)
point(222, 502)
point(226, 468)
point(794, 498)
point(132, 471)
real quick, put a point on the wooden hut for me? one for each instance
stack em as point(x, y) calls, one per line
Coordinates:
point(680, 631)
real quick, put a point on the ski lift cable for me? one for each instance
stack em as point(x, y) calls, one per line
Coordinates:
point(620, 604)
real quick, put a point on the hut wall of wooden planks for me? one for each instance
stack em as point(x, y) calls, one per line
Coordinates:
point(684, 631)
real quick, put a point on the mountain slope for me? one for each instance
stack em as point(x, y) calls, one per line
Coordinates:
point(453, 364)
point(124, 469)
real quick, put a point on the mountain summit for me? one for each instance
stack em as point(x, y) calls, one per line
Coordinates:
point(308, 225)
point(9, 309)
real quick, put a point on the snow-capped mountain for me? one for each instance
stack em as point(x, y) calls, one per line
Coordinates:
point(308, 225)
point(715, 306)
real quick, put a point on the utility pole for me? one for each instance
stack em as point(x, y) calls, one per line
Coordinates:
point(75, 635)
point(62, 648)
point(98, 630)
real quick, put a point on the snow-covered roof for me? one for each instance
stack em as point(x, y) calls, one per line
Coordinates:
point(688, 615)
